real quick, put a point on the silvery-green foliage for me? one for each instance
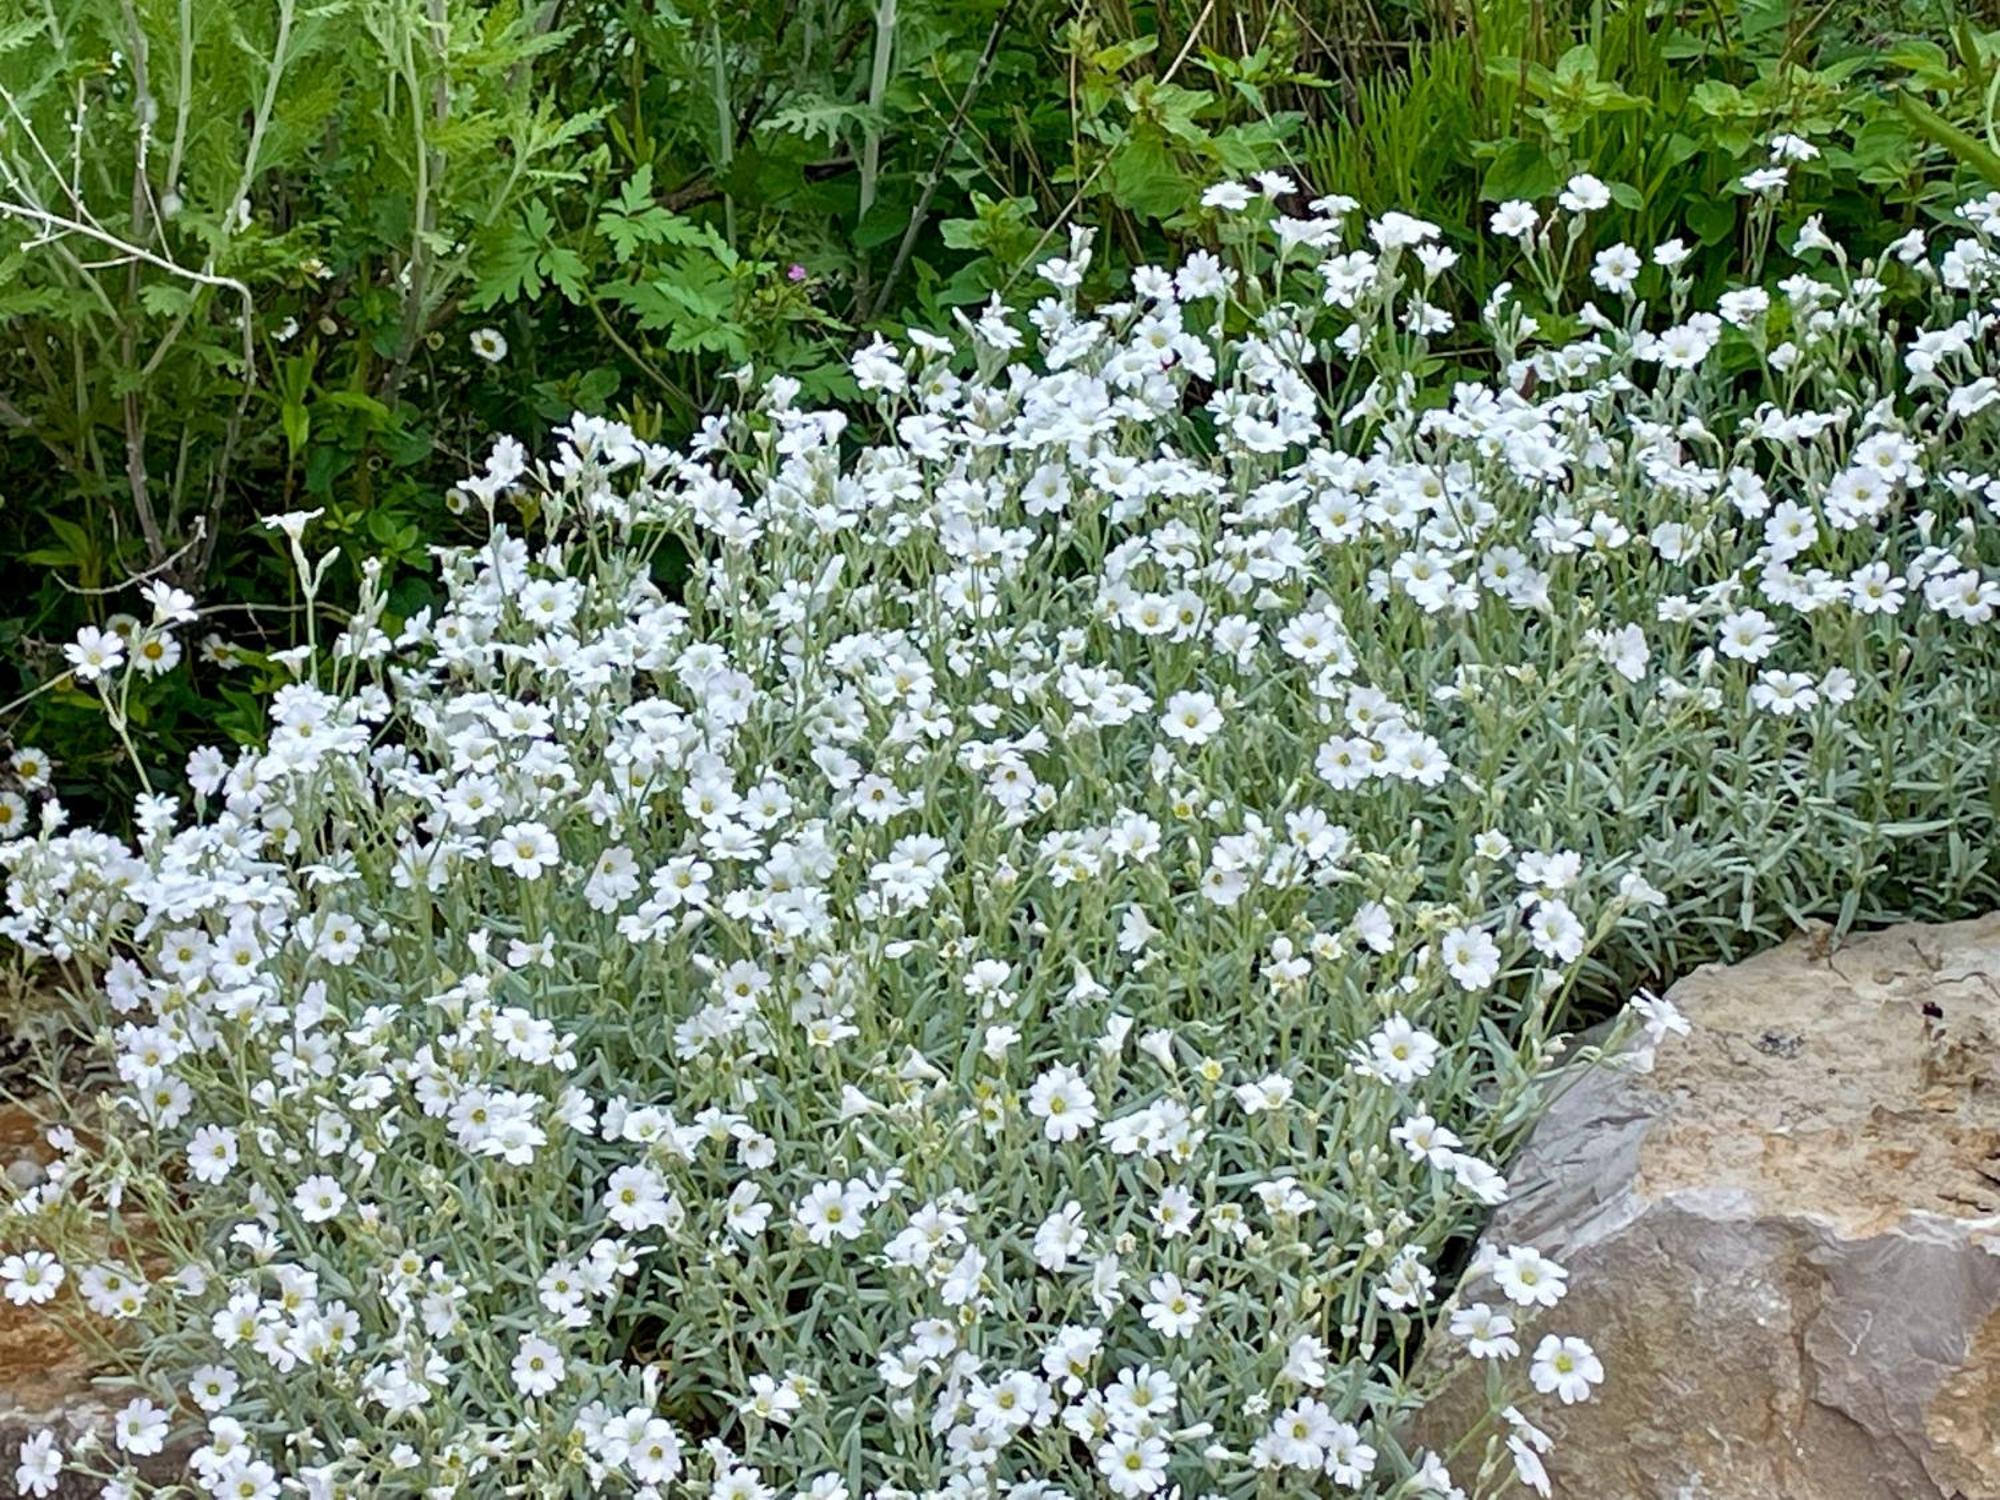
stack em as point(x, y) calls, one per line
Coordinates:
point(1015, 979)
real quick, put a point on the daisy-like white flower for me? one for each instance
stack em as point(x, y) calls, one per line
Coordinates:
point(1487, 1334)
point(40, 1465)
point(319, 1198)
point(32, 768)
point(538, 1366)
point(1133, 1465)
point(1470, 956)
point(1529, 1278)
point(1616, 269)
point(1171, 1310)
point(1192, 718)
point(31, 1278)
point(140, 1428)
point(1401, 1051)
point(94, 652)
point(528, 850)
point(1064, 1104)
point(1569, 1367)
point(212, 1153)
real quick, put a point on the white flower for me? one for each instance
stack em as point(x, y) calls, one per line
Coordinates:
point(1616, 269)
point(832, 1211)
point(1470, 956)
point(213, 1387)
point(1132, 1465)
point(319, 1198)
point(1530, 1278)
point(636, 1198)
point(1784, 693)
point(1684, 346)
point(1662, 1017)
point(1192, 718)
point(1743, 307)
point(1514, 219)
point(171, 605)
point(32, 768)
point(293, 523)
point(140, 1428)
point(31, 1278)
point(489, 344)
point(1170, 1309)
point(656, 1457)
point(211, 1154)
point(1528, 1466)
point(1584, 194)
point(1401, 1052)
point(40, 1466)
point(1556, 931)
point(1624, 650)
point(1349, 1461)
point(94, 652)
point(154, 653)
point(1064, 1104)
point(1487, 1334)
point(1567, 1366)
point(527, 849)
point(1747, 635)
point(1060, 1238)
point(877, 368)
point(538, 1366)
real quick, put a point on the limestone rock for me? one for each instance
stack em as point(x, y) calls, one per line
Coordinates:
point(1783, 1234)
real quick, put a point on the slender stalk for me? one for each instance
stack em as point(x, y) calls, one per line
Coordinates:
point(936, 173)
point(871, 129)
point(428, 163)
point(725, 128)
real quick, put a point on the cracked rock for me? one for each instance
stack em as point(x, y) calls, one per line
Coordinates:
point(1783, 1234)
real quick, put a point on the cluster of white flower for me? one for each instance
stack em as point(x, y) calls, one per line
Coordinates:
point(994, 957)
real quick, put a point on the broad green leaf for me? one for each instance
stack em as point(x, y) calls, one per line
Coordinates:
point(1144, 177)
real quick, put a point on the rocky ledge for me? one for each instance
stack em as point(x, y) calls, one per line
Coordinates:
point(1783, 1234)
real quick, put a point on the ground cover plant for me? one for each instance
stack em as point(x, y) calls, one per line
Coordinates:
point(1015, 970)
point(314, 253)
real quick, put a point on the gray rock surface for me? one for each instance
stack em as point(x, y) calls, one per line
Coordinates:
point(1783, 1234)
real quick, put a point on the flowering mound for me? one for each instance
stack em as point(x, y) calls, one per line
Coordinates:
point(1014, 978)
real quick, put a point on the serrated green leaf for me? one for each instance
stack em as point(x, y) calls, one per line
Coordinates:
point(633, 220)
point(16, 36)
point(524, 258)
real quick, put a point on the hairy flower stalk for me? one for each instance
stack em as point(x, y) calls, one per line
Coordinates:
point(1011, 980)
